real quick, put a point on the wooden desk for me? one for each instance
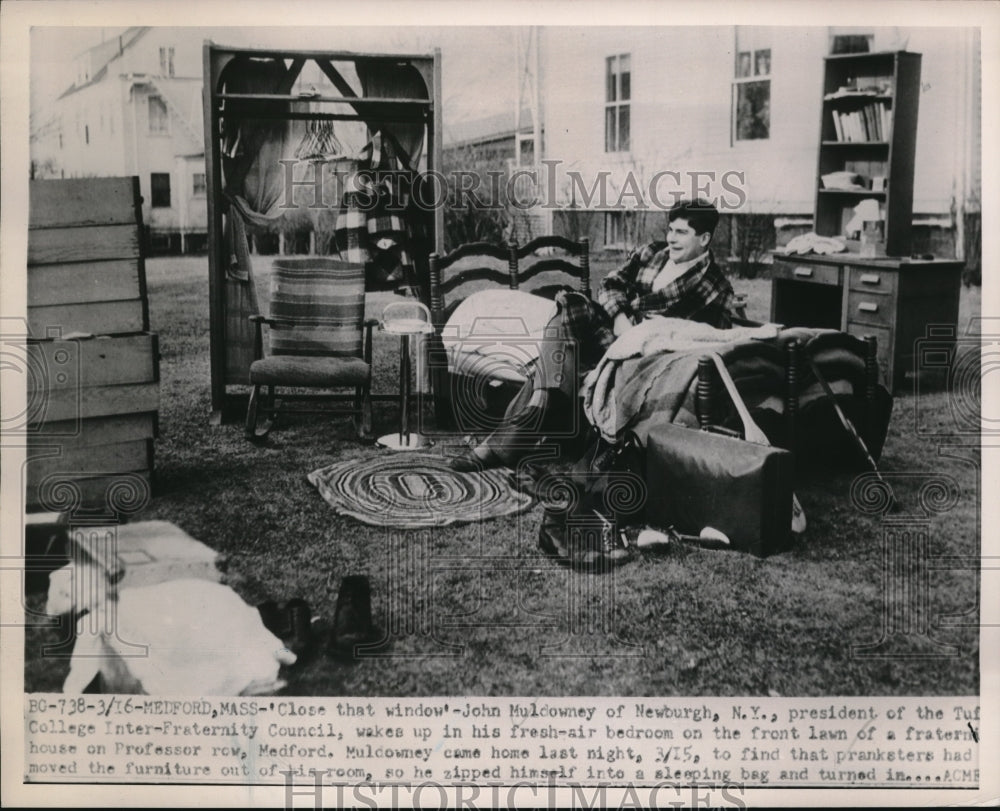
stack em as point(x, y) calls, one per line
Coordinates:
point(893, 299)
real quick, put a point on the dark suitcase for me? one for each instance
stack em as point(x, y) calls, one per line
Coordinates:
point(698, 478)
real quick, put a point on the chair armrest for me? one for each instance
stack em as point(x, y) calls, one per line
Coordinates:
point(258, 335)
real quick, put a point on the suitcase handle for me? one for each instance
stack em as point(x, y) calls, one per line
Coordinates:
point(751, 431)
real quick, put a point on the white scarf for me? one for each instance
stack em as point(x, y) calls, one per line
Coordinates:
point(672, 271)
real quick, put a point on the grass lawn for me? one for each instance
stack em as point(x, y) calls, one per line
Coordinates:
point(478, 610)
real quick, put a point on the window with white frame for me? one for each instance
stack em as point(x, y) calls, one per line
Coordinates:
point(617, 103)
point(159, 121)
point(198, 184)
point(166, 61)
point(752, 84)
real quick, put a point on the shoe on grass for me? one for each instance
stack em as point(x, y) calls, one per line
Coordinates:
point(352, 620)
point(586, 547)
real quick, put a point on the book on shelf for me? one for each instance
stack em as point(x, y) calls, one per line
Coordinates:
point(836, 125)
point(859, 133)
point(869, 123)
point(847, 120)
point(871, 131)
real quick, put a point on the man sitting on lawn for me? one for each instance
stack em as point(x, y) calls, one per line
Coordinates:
point(678, 279)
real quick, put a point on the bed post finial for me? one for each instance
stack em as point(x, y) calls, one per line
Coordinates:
point(705, 402)
point(792, 362)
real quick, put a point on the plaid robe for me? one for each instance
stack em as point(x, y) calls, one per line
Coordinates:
point(701, 293)
point(372, 228)
point(581, 332)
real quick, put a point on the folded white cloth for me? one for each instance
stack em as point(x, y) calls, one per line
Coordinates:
point(180, 637)
point(814, 243)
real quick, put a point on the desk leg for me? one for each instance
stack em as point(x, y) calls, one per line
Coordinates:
point(844, 291)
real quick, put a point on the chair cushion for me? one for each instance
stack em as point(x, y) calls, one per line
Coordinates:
point(291, 370)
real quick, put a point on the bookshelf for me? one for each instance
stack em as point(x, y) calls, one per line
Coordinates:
point(869, 131)
point(867, 144)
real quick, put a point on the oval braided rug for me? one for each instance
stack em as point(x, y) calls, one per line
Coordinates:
point(409, 490)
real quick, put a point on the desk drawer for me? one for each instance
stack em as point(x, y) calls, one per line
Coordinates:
point(801, 272)
point(866, 308)
point(872, 280)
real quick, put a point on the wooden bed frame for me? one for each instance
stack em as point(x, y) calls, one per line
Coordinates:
point(541, 267)
point(477, 266)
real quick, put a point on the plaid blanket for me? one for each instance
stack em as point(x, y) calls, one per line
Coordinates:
point(700, 293)
point(372, 227)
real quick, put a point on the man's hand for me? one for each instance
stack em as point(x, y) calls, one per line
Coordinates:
point(622, 324)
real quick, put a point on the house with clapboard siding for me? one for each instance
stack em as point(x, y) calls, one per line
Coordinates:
point(743, 100)
point(134, 108)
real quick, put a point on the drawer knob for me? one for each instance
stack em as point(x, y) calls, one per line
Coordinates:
point(804, 272)
point(868, 307)
point(870, 278)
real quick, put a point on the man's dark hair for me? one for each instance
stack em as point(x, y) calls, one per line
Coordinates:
point(700, 214)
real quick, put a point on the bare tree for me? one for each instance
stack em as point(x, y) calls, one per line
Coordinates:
point(751, 238)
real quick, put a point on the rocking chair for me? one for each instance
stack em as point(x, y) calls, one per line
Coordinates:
point(318, 339)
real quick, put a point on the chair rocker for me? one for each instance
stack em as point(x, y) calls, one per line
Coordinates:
point(318, 339)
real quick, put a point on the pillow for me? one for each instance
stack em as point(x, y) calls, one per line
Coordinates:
point(504, 325)
point(499, 313)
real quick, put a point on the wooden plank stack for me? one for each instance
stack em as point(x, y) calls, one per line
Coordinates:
point(94, 393)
